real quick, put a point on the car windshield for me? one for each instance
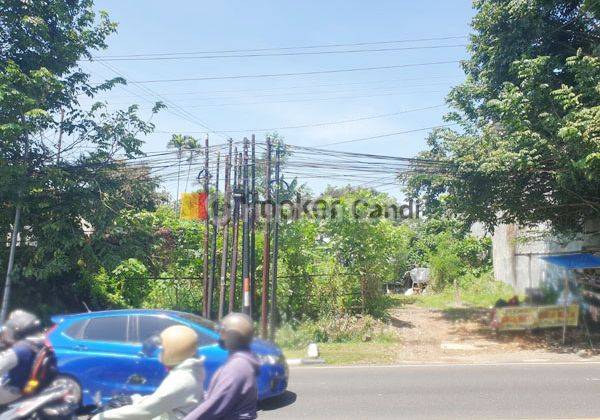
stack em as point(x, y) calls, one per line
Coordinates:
point(213, 326)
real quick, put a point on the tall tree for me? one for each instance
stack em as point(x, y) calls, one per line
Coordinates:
point(527, 149)
point(41, 43)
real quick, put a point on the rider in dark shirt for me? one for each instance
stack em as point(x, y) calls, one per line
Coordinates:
point(20, 334)
point(233, 392)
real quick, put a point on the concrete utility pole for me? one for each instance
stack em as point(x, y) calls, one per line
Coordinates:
point(273, 319)
point(246, 303)
point(13, 240)
point(266, 246)
point(205, 307)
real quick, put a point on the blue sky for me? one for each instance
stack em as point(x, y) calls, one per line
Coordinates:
point(154, 26)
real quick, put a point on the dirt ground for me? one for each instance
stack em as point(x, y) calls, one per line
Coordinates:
point(462, 335)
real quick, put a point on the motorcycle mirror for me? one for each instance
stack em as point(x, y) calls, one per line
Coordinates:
point(151, 345)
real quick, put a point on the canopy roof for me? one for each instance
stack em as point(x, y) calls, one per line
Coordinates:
point(574, 261)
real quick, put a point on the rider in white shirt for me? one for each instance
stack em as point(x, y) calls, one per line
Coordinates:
point(179, 392)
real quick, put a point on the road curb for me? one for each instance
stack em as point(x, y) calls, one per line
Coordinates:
point(300, 362)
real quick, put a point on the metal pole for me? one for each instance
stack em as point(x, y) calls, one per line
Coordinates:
point(246, 304)
point(11, 262)
point(13, 240)
point(177, 198)
point(205, 310)
point(60, 136)
point(266, 246)
point(253, 227)
point(215, 216)
point(273, 319)
point(226, 218)
point(236, 232)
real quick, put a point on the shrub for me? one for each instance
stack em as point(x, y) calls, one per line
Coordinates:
point(342, 329)
point(123, 287)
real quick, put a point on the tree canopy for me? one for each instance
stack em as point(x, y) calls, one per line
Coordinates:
point(526, 148)
point(64, 163)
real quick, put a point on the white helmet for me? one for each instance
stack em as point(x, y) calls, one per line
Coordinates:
point(178, 344)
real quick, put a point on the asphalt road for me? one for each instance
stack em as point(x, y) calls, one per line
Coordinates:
point(440, 391)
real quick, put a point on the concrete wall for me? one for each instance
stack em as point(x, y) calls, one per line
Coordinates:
point(516, 254)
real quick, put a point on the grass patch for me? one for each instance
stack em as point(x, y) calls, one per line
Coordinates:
point(370, 353)
point(345, 340)
point(476, 292)
point(341, 329)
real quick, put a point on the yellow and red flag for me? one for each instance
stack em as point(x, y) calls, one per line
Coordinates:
point(194, 206)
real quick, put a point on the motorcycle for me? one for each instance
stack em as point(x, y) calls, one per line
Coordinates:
point(115, 402)
point(58, 401)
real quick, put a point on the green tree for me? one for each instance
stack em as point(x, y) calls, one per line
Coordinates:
point(528, 147)
point(64, 164)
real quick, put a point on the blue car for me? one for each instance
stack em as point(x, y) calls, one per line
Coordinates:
point(103, 352)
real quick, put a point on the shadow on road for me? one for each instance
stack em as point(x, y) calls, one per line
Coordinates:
point(283, 400)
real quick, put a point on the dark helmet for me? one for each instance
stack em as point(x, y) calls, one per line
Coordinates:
point(236, 331)
point(19, 325)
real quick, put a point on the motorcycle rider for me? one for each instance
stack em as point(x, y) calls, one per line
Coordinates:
point(179, 392)
point(21, 337)
point(233, 392)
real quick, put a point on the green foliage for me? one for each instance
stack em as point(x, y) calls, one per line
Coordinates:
point(343, 329)
point(351, 256)
point(527, 150)
point(476, 291)
point(123, 288)
point(452, 258)
point(72, 196)
point(445, 267)
point(329, 269)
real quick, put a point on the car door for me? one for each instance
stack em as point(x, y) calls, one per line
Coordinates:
point(109, 355)
point(149, 367)
point(152, 369)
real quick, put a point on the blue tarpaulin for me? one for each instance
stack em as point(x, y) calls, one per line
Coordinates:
point(574, 261)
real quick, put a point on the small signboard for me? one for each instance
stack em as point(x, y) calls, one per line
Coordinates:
point(531, 317)
point(194, 206)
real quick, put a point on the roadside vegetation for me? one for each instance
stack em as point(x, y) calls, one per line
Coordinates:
point(99, 233)
point(476, 292)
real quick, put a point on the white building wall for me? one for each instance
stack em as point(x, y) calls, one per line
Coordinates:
point(516, 254)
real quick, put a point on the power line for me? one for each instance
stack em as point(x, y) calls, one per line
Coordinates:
point(305, 73)
point(356, 44)
point(387, 135)
point(283, 95)
point(333, 98)
point(287, 88)
point(190, 117)
point(321, 124)
point(285, 54)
